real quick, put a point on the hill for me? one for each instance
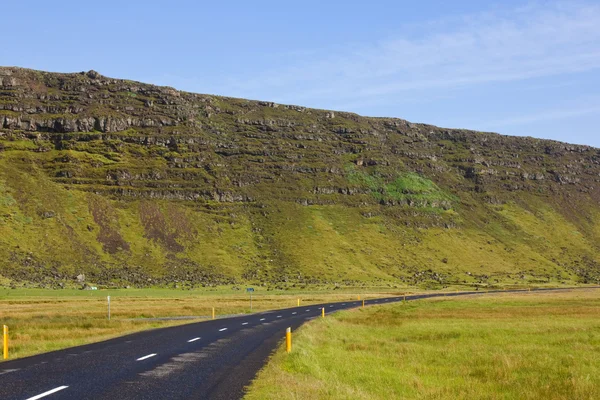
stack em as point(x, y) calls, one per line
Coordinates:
point(134, 184)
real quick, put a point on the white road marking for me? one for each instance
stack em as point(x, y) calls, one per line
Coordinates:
point(294, 313)
point(193, 340)
point(48, 393)
point(279, 316)
point(146, 357)
point(244, 323)
point(222, 329)
point(308, 309)
point(7, 371)
point(330, 306)
point(344, 304)
point(262, 319)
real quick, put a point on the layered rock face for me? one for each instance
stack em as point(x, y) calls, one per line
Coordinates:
point(132, 183)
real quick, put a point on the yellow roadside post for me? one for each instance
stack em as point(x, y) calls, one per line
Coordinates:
point(363, 304)
point(213, 313)
point(288, 340)
point(298, 302)
point(5, 337)
point(359, 296)
point(323, 312)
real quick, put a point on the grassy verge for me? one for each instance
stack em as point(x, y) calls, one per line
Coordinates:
point(45, 320)
point(513, 346)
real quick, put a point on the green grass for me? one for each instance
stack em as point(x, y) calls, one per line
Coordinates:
point(407, 188)
point(525, 346)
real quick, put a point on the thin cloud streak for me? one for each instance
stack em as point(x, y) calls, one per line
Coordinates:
point(532, 42)
point(553, 115)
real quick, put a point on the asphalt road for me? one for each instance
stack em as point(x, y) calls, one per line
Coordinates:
point(205, 360)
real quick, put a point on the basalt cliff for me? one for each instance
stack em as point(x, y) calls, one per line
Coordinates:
point(122, 183)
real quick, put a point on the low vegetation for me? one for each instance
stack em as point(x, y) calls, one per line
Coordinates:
point(408, 189)
point(513, 346)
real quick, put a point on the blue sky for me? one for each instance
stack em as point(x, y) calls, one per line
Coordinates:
point(527, 68)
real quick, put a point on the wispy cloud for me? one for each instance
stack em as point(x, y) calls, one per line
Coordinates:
point(500, 46)
point(550, 115)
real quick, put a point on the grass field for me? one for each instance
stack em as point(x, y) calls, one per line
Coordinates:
point(45, 320)
point(510, 346)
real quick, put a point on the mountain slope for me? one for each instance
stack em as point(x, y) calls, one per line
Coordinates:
point(130, 183)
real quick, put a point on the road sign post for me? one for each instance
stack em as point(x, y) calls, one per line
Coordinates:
point(250, 290)
point(108, 301)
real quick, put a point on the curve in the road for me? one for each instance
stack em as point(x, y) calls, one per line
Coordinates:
point(214, 359)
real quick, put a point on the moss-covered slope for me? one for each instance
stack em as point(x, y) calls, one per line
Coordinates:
point(130, 183)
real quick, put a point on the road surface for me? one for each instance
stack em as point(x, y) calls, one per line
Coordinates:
point(206, 360)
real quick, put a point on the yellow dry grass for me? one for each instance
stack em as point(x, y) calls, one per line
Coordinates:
point(44, 320)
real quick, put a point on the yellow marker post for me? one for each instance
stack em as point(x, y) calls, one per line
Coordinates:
point(5, 336)
point(213, 313)
point(288, 340)
point(359, 296)
point(323, 312)
point(363, 304)
point(298, 302)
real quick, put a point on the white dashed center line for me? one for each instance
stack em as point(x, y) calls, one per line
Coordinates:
point(244, 323)
point(7, 371)
point(222, 329)
point(308, 309)
point(330, 306)
point(262, 319)
point(146, 357)
point(344, 304)
point(48, 393)
point(193, 340)
point(279, 316)
point(294, 313)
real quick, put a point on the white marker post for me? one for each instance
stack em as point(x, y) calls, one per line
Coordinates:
point(108, 300)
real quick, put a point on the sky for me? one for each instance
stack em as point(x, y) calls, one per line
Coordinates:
point(528, 68)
